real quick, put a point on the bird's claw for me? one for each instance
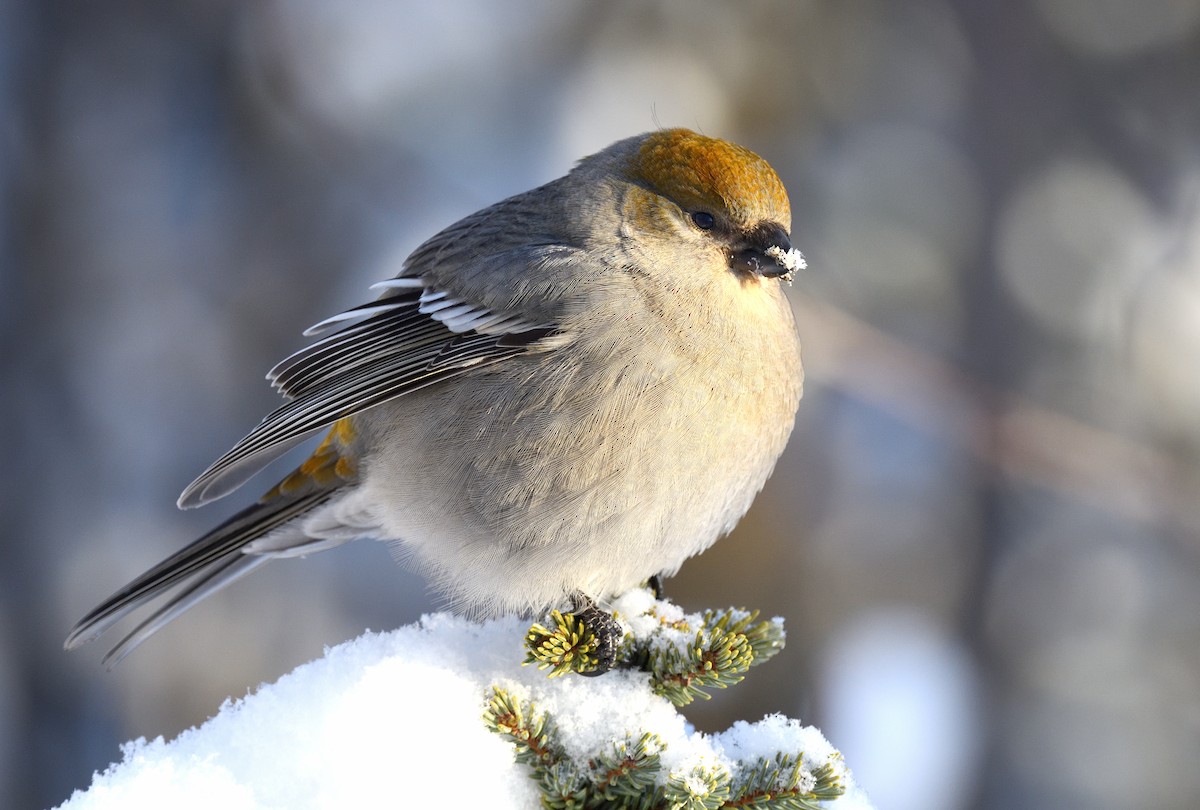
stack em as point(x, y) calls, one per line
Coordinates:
point(604, 627)
point(656, 586)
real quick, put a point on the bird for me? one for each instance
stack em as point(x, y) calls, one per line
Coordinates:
point(558, 398)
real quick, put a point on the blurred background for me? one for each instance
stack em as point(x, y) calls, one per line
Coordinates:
point(985, 535)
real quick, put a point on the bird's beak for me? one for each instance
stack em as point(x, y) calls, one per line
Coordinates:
point(766, 250)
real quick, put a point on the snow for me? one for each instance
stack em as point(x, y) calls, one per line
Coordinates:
point(395, 718)
point(790, 260)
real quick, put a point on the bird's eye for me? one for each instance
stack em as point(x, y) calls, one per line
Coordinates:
point(704, 220)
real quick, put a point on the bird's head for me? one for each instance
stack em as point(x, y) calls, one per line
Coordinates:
point(710, 195)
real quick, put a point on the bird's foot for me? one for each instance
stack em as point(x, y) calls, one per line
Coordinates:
point(655, 585)
point(604, 627)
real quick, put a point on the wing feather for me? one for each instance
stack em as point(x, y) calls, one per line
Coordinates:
point(389, 334)
point(385, 304)
point(409, 339)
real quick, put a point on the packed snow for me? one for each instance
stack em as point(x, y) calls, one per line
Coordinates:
point(395, 718)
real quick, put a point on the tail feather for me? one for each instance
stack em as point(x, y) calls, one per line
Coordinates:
point(216, 577)
point(206, 565)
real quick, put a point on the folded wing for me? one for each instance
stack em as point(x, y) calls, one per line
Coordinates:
point(414, 336)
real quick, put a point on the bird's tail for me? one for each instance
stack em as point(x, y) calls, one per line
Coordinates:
point(207, 565)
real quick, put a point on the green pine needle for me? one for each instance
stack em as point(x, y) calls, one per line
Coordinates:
point(628, 776)
point(701, 789)
point(780, 783)
point(686, 658)
point(532, 732)
point(568, 646)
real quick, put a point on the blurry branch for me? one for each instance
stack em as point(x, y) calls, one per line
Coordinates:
point(1110, 472)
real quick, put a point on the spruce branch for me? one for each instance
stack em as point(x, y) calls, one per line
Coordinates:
point(628, 772)
point(685, 655)
point(782, 783)
point(563, 787)
point(700, 789)
point(628, 775)
point(567, 646)
point(715, 659)
point(725, 645)
point(766, 638)
point(531, 732)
